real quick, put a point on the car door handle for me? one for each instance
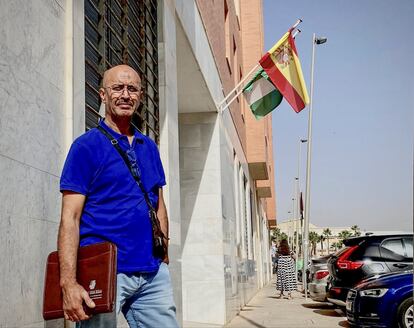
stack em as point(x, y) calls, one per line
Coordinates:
point(400, 265)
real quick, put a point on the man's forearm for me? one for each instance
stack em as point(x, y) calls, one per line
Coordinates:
point(68, 241)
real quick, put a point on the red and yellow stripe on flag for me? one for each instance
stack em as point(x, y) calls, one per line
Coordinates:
point(282, 65)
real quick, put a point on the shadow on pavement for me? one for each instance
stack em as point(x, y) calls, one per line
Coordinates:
point(252, 306)
point(344, 324)
point(254, 323)
point(318, 306)
point(328, 313)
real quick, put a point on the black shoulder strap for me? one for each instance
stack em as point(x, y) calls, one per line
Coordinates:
point(136, 177)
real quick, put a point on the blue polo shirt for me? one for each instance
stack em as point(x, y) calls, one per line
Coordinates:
point(115, 209)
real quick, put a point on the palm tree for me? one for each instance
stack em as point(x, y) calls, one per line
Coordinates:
point(300, 244)
point(327, 233)
point(313, 239)
point(276, 234)
point(321, 240)
point(344, 234)
point(355, 229)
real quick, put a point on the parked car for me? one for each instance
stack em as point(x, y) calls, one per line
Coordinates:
point(365, 256)
point(384, 301)
point(319, 278)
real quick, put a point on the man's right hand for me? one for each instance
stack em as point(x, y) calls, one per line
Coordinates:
point(73, 297)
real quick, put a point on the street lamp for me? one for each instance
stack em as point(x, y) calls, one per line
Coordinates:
point(288, 228)
point(315, 41)
point(298, 222)
point(293, 224)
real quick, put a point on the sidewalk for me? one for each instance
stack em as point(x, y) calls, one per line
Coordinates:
point(266, 311)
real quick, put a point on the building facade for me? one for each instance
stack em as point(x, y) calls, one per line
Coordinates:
point(219, 166)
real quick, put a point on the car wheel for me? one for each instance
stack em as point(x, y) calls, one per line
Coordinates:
point(405, 314)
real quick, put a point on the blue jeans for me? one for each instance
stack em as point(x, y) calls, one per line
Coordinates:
point(146, 300)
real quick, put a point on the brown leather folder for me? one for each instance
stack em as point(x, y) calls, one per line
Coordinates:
point(96, 272)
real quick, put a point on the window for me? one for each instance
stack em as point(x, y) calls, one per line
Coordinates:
point(227, 35)
point(394, 245)
point(237, 7)
point(236, 169)
point(117, 32)
point(408, 243)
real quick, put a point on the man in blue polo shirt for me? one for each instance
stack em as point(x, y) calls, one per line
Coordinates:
point(102, 202)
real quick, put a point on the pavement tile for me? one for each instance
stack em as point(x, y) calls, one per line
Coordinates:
point(267, 311)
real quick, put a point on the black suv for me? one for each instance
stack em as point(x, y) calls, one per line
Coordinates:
point(365, 256)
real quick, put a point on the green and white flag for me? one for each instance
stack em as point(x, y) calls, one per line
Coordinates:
point(261, 95)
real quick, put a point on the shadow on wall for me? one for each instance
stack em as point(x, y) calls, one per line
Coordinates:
point(198, 171)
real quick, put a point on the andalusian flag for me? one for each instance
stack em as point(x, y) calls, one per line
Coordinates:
point(281, 63)
point(261, 95)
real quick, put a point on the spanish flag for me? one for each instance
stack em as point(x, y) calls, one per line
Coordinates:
point(282, 65)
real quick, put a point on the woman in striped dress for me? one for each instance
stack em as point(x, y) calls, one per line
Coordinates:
point(286, 280)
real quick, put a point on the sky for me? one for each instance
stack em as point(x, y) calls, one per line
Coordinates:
point(363, 112)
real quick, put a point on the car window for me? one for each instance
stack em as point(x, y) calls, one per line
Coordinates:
point(394, 245)
point(408, 242)
point(371, 252)
point(388, 255)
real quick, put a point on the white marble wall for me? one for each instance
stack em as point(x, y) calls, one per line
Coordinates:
point(201, 231)
point(32, 149)
point(217, 278)
point(231, 204)
point(167, 66)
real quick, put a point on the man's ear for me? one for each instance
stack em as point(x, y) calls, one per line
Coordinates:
point(102, 94)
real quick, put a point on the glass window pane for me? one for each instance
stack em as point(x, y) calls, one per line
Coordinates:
point(408, 242)
point(394, 245)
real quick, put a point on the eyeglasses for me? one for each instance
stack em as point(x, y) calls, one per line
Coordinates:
point(118, 89)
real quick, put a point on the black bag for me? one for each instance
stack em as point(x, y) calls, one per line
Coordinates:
point(159, 245)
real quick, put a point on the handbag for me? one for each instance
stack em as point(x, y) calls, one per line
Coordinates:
point(159, 248)
point(96, 272)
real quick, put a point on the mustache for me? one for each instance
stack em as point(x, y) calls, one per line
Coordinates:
point(122, 102)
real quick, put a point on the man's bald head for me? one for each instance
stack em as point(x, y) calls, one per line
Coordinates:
point(123, 71)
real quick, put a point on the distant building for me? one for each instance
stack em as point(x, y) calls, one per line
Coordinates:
point(289, 227)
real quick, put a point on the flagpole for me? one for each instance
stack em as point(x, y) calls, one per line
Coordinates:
point(296, 33)
point(298, 218)
point(232, 99)
point(237, 86)
point(297, 23)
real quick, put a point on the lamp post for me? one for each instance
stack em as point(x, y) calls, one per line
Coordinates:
point(288, 227)
point(315, 41)
point(298, 226)
point(293, 223)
